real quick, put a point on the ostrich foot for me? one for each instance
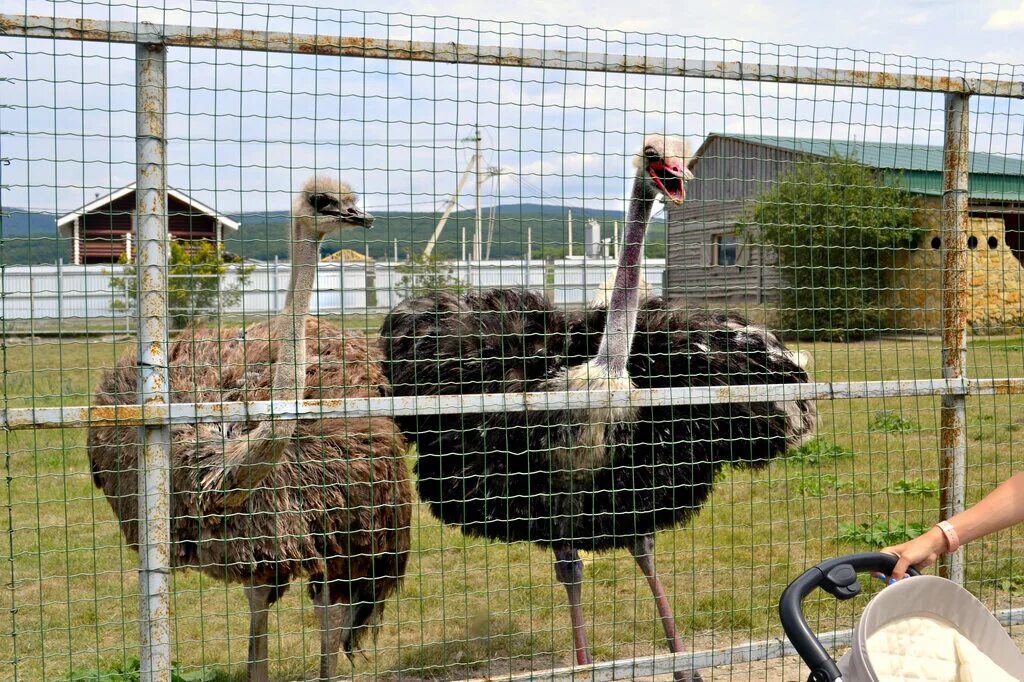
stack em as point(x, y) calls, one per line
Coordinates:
point(259, 609)
point(643, 553)
point(569, 571)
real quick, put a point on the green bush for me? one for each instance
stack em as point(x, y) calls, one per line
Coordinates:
point(891, 422)
point(424, 275)
point(195, 286)
point(880, 532)
point(835, 226)
point(817, 451)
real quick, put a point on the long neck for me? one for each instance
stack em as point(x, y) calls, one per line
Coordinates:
point(248, 459)
point(288, 328)
point(620, 322)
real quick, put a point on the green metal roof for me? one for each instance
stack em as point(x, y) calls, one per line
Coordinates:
point(992, 177)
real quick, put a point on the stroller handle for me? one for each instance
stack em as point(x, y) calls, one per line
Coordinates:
point(838, 577)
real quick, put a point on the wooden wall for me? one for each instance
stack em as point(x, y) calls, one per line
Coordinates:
point(729, 175)
point(103, 231)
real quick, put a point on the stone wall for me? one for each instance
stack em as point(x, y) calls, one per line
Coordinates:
point(995, 278)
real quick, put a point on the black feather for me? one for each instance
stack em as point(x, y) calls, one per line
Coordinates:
point(493, 474)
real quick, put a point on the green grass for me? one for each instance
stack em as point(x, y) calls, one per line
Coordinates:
point(69, 584)
point(130, 671)
point(820, 485)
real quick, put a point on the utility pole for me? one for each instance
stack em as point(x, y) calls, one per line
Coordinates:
point(570, 234)
point(478, 233)
point(450, 206)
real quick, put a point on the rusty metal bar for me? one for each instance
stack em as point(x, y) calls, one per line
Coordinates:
point(22, 418)
point(953, 467)
point(155, 436)
point(409, 50)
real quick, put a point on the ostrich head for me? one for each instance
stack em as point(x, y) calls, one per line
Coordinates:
point(328, 205)
point(663, 162)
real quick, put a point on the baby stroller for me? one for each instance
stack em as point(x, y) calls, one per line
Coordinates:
point(924, 628)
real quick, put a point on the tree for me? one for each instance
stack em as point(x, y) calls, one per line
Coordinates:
point(195, 282)
point(835, 226)
point(423, 275)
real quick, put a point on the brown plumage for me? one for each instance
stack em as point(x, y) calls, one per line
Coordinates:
point(334, 506)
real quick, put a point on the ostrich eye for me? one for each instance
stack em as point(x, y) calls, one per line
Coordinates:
point(324, 203)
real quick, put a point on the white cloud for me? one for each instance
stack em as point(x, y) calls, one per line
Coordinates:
point(1005, 19)
point(246, 126)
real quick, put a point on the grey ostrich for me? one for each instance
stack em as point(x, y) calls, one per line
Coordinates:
point(259, 504)
point(605, 476)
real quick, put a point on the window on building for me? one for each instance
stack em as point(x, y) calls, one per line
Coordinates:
point(725, 250)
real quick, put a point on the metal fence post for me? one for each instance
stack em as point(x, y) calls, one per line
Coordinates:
point(154, 462)
point(953, 472)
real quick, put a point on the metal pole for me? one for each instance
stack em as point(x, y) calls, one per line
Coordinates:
point(154, 463)
point(230, 38)
point(60, 293)
point(953, 468)
point(569, 223)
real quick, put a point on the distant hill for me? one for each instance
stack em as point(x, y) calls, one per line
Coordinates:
point(31, 238)
point(265, 236)
point(18, 222)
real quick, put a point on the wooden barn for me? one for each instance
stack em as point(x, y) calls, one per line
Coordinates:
point(708, 260)
point(104, 230)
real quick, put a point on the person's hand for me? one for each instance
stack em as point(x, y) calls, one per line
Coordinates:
point(921, 552)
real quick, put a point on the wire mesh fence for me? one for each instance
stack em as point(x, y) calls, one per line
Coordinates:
point(709, 312)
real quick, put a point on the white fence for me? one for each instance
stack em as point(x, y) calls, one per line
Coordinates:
point(44, 292)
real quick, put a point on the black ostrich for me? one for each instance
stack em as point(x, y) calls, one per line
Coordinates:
point(591, 479)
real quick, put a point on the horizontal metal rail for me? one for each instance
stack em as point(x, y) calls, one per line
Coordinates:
point(665, 664)
point(189, 413)
point(61, 28)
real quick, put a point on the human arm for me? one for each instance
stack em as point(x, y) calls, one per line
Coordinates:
point(1000, 509)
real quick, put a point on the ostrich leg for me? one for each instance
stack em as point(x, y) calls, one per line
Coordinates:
point(569, 571)
point(643, 553)
point(259, 597)
point(335, 624)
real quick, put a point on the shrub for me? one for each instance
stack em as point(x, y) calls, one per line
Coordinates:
point(913, 487)
point(195, 282)
point(891, 422)
point(424, 275)
point(817, 451)
point(880, 532)
point(835, 226)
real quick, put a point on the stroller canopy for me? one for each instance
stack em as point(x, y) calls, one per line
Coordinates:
point(930, 629)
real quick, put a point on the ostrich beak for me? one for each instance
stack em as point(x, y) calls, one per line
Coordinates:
point(670, 177)
point(354, 215)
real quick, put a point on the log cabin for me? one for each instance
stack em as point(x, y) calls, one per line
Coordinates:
point(103, 230)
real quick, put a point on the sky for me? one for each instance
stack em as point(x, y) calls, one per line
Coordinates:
point(245, 128)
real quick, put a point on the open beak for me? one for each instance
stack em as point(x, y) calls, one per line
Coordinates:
point(670, 178)
point(354, 215)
